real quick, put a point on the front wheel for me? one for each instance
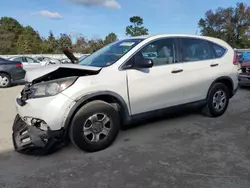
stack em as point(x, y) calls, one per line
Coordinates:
point(217, 101)
point(95, 126)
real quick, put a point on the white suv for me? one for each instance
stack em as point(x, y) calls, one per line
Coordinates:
point(124, 81)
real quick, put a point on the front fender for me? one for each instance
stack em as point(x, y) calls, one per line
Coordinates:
point(92, 96)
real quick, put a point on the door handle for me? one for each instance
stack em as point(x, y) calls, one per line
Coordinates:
point(214, 65)
point(177, 71)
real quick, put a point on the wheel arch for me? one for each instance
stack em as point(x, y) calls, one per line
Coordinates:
point(107, 96)
point(4, 72)
point(225, 80)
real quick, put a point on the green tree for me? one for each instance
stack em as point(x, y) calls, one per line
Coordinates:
point(6, 44)
point(52, 42)
point(93, 45)
point(111, 37)
point(231, 24)
point(11, 25)
point(10, 29)
point(46, 47)
point(136, 28)
point(64, 41)
point(29, 41)
point(80, 45)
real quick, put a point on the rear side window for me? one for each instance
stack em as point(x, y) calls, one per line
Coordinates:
point(218, 50)
point(193, 49)
point(18, 59)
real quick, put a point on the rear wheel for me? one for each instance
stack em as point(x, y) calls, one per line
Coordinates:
point(5, 80)
point(218, 100)
point(95, 126)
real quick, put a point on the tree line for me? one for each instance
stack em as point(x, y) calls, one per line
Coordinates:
point(231, 24)
point(18, 39)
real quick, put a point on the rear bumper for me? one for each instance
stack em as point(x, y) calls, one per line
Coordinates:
point(29, 139)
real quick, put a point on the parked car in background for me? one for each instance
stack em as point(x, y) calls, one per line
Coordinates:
point(73, 59)
point(65, 61)
point(10, 71)
point(29, 62)
point(243, 56)
point(244, 75)
point(88, 102)
point(48, 60)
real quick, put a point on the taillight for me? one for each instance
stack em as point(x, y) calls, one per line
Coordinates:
point(19, 65)
point(235, 61)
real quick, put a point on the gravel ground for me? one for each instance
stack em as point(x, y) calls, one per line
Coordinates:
point(186, 151)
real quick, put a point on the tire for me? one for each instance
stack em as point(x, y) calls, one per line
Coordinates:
point(5, 80)
point(210, 109)
point(89, 117)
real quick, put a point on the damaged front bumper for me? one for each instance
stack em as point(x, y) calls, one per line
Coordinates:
point(32, 139)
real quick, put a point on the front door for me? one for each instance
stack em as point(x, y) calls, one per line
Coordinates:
point(160, 86)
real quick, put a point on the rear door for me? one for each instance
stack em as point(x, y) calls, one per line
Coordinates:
point(200, 67)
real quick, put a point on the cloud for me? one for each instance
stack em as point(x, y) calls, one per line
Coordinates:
point(106, 3)
point(48, 14)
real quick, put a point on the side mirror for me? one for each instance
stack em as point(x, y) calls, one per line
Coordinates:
point(141, 62)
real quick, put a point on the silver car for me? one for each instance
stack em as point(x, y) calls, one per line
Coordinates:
point(48, 60)
point(28, 62)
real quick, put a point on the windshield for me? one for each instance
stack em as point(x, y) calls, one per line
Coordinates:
point(109, 54)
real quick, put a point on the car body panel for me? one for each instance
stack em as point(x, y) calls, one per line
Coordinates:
point(28, 62)
point(45, 71)
point(141, 90)
point(244, 76)
point(59, 103)
point(48, 60)
point(9, 67)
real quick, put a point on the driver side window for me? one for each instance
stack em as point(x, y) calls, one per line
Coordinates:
point(162, 52)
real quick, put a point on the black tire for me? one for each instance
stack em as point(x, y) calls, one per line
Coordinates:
point(76, 128)
point(6, 76)
point(209, 109)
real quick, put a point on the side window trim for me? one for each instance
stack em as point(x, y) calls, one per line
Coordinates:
point(121, 67)
point(180, 45)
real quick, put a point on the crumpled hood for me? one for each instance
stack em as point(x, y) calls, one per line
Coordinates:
point(62, 70)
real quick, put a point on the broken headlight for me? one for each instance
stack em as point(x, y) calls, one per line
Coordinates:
point(53, 87)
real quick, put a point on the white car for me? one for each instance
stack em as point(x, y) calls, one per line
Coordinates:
point(120, 83)
point(48, 60)
point(29, 62)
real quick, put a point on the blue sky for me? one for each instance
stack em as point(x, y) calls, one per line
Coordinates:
point(97, 18)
